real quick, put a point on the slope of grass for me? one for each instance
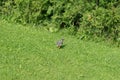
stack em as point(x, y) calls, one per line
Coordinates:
point(27, 53)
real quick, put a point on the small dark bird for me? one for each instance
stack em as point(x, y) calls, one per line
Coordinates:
point(60, 43)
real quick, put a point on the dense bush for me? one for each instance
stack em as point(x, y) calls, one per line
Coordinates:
point(87, 18)
point(101, 23)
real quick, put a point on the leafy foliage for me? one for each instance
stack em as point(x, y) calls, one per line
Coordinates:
point(86, 18)
point(101, 23)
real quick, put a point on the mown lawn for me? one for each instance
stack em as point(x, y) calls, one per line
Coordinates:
point(27, 53)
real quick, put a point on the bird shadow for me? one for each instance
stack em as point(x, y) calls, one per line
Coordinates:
point(63, 46)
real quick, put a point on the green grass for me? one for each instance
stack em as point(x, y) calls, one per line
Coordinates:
point(27, 53)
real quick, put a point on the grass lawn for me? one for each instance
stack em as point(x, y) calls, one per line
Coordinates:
point(27, 53)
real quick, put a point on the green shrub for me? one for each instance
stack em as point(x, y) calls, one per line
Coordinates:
point(85, 18)
point(101, 23)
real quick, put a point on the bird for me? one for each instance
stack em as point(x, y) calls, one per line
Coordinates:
point(60, 43)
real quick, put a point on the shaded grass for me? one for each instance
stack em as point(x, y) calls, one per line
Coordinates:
point(27, 53)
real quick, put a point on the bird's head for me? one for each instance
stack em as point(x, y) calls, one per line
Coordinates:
point(62, 39)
